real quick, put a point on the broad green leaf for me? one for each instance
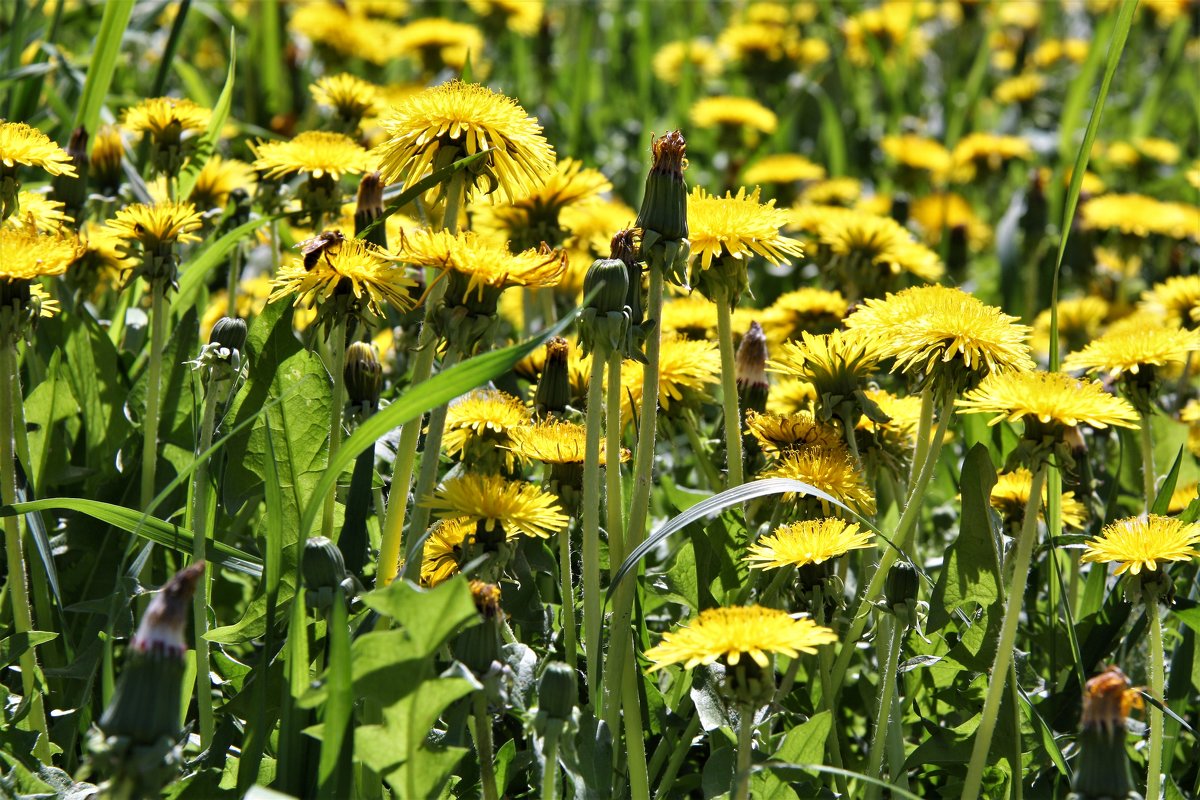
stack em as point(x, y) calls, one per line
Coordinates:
point(427, 616)
point(803, 744)
point(339, 705)
point(13, 647)
point(208, 142)
point(971, 573)
point(50, 403)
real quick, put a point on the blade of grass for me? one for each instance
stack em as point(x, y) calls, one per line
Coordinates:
point(168, 54)
point(208, 142)
point(103, 63)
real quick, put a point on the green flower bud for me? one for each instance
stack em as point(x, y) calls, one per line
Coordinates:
point(363, 374)
point(71, 191)
point(609, 279)
point(557, 691)
point(230, 333)
point(664, 205)
point(323, 566)
point(900, 587)
point(553, 393)
point(369, 209)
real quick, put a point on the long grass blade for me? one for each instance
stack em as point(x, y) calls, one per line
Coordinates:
point(104, 63)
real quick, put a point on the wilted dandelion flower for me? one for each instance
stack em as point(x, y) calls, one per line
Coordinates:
point(478, 426)
point(733, 113)
point(727, 634)
point(516, 507)
point(701, 54)
point(1010, 496)
point(833, 470)
point(945, 334)
point(436, 127)
point(22, 145)
point(1138, 543)
point(777, 433)
point(813, 541)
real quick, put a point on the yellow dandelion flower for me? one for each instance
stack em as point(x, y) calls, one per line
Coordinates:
point(352, 268)
point(315, 153)
point(988, 151)
point(1010, 496)
point(779, 432)
point(21, 144)
point(857, 240)
point(1019, 88)
point(686, 369)
point(701, 54)
point(691, 316)
point(791, 395)
point(350, 97)
point(727, 634)
point(808, 309)
point(438, 42)
point(522, 17)
point(481, 263)
point(1164, 151)
point(1051, 51)
point(536, 217)
point(733, 112)
point(1193, 174)
point(26, 254)
point(833, 470)
point(948, 211)
point(218, 178)
point(1127, 351)
point(39, 212)
point(927, 327)
point(481, 421)
point(1138, 215)
point(1080, 320)
point(443, 548)
point(554, 442)
point(517, 507)
point(157, 226)
point(836, 363)
point(832, 192)
point(1182, 497)
point(809, 52)
point(893, 26)
point(1049, 398)
point(903, 413)
point(919, 153)
point(435, 127)
point(737, 226)
point(1176, 301)
point(166, 117)
point(782, 168)
point(755, 45)
point(334, 25)
point(812, 541)
point(1138, 543)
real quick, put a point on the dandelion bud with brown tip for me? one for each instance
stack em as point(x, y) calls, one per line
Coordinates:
point(71, 190)
point(480, 645)
point(1102, 770)
point(108, 150)
point(364, 375)
point(369, 209)
point(553, 393)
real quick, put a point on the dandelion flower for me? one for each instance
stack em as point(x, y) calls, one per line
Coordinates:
point(40, 212)
point(217, 179)
point(1048, 398)
point(1127, 351)
point(836, 364)
point(1010, 496)
point(813, 541)
point(946, 211)
point(727, 634)
point(478, 424)
point(314, 153)
point(780, 432)
point(1019, 88)
point(1141, 216)
point(833, 470)
point(517, 507)
point(157, 226)
point(166, 117)
point(791, 395)
point(438, 42)
point(919, 153)
point(26, 254)
point(554, 442)
point(350, 97)
point(22, 144)
point(737, 226)
point(522, 17)
point(864, 247)
point(782, 168)
point(701, 54)
point(353, 269)
point(438, 126)
point(988, 151)
point(537, 217)
point(1138, 543)
point(1080, 320)
point(443, 548)
point(686, 369)
point(733, 112)
point(1176, 301)
point(833, 192)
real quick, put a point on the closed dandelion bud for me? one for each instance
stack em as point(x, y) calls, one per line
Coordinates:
point(363, 374)
point(323, 566)
point(369, 209)
point(1102, 769)
point(557, 691)
point(604, 325)
point(664, 206)
point(145, 704)
point(108, 149)
point(625, 246)
point(752, 369)
point(229, 333)
point(480, 645)
point(553, 393)
point(900, 588)
point(71, 190)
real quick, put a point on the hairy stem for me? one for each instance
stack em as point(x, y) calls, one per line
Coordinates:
point(729, 394)
point(483, 746)
point(1155, 672)
point(199, 518)
point(158, 335)
point(592, 599)
point(745, 751)
point(337, 357)
point(883, 715)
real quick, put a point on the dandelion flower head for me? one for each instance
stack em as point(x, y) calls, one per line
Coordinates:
point(727, 634)
point(1139, 543)
point(813, 541)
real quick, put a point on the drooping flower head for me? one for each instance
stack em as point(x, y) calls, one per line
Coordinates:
point(434, 128)
point(153, 231)
point(349, 279)
point(726, 232)
point(944, 335)
point(812, 541)
point(1144, 543)
point(172, 125)
point(832, 469)
point(23, 145)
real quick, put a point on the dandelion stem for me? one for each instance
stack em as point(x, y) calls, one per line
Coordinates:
point(745, 750)
point(729, 394)
point(158, 333)
point(1155, 671)
point(635, 739)
point(483, 746)
point(613, 501)
point(904, 526)
point(14, 545)
point(883, 714)
point(570, 636)
point(592, 609)
point(1008, 636)
point(199, 520)
point(1149, 479)
point(337, 357)
point(427, 477)
point(550, 760)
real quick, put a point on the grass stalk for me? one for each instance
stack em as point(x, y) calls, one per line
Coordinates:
point(592, 598)
point(14, 549)
point(729, 394)
point(635, 737)
point(158, 335)
point(199, 518)
point(1008, 637)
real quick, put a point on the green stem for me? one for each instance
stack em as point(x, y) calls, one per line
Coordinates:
point(729, 394)
point(1008, 637)
point(550, 760)
point(158, 333)
point(883, 715)
point(700, 453)
point(635, 738)
point(337, 357)
point(14, 546)
point(427, 477)
point(904, 526)
point(483, 745)
point(667, 782)
point(1149, 479)
point(828, 701)
point(620, 638)
point(570, 638)
point(613, 501)
point(1155, 670)
point(592, 599)
point(199, 519)
point(745, 750)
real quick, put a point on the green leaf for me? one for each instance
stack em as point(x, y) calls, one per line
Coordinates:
point(50, 403)
point(796, 771)
point(1162, 501)
point(803, 744)
point(208, 142)
point(427, 617)
point(971, 573)
point(149, 528)
point(15, 646)
point(103, 63)
point(339, 705)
